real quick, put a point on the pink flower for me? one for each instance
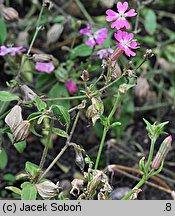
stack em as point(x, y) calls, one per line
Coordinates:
point(12, 50)
point(126, 43)
point(120, 17)
point(104, 54)
point(71, 87)
point(95, 38)
point(45, 67)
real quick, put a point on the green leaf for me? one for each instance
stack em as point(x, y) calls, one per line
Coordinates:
point(60, 132)
point(29, 192)
point(9, 177)
point(58, 19)
point(31, 168)
point(32, 129)
point(59, 91)
point(41, 105)
point(21, 176)
point(14, 189)
point(63, 111)
point(150, 21)
point(20, 146)
point(3, 31)
point(81, 51)
point(3, 158)
point(7, 96)
point(115, 124)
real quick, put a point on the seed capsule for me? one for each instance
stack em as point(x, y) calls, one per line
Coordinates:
point(48, 189)
point(21, 132)
point(9, 13)
point(54, 33)
point(14, 118)
point(42, 58)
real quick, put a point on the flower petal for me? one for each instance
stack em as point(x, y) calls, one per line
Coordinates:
point(122, 7)
point(130, 13)
point(112, 15)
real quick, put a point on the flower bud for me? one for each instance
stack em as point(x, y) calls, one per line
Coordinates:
point(54, 33)
point(85, 76)
point(48, 189)
point(9, 13)
point(14, 118)
point(42, 58)
point(162, 152)
point(21, 132)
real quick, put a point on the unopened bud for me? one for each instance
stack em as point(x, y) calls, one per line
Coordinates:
point(85, 76)
point(149, 54)
point(21, 132)
point(48, 189)
point(162, 152)
point(42, 58)
point(9, 13)
point(14, 118)
point(54, 33)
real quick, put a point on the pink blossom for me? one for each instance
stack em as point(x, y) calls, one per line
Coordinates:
point(12, 50)
point(104, 54)
point(120, 17)
point(45, 67)
point(71, 87)
point(95, 38)
point(126, 43)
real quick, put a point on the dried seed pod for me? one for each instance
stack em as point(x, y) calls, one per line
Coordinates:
point(115, 72)
point(9, 13)
point(48, 189)
point(95, 109)
point(42, 58)
point(162, 152)
point(102, 196)
point(77, 184)
point(107, 4)
point(142, 88)
point(22, 39)
point(48, 4)
point(21, 132)
point(79, 159)
point(54, 33)
point(28, 94)
point(14, 118)
point(149, 54)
